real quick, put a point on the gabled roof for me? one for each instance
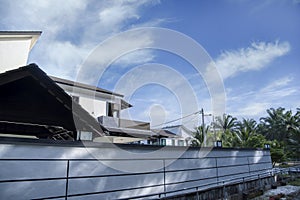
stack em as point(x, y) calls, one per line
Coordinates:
point(177, 129)
point(69, 116)
point(164, 133)
point(83, 86)
point(57, 80)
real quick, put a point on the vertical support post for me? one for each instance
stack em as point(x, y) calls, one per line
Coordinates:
point(164, 163)
point(217, 170)
point(67, 180)
point(248, 165)
point(224, 192)
point(198, 198)
point(203, 127)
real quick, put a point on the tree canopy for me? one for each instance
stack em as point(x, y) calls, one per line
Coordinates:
point(280, 128)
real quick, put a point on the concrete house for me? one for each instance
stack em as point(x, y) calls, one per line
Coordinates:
point(31, 104)
point(105, 106)
point(184, 136)
point(15, 47)
point(97, 104)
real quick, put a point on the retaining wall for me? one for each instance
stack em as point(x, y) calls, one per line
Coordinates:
point(71, 170)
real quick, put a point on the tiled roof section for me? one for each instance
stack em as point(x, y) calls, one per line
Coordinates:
point(164, 133)
point(176, 129)
point(79, 114)
point(83, 86)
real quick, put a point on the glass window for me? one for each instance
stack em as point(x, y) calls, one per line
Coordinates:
point(173, 142)
point(163, 142)
point(180, 142)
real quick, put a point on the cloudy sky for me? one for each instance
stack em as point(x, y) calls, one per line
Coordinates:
point(254, 44)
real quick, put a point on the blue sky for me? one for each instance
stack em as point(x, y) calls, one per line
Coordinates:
point(255, 45)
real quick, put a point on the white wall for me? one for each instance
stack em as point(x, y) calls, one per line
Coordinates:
point(13, 53)
point(97, 169)
point(15, 47)
point(96, 108)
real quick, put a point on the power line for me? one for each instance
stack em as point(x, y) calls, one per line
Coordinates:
point(174, 120)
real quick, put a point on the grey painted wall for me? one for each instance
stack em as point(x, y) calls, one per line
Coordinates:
point(39, 170)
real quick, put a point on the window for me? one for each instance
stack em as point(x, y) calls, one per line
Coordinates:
point(109, 109)
point(163, 142)
point(180, 142)
point(173, 142)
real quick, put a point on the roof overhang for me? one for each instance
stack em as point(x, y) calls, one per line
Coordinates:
point(15, 47)
point(117, 139)
point(21, 35)
point(130, 132)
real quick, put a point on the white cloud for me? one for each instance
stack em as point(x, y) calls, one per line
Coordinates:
point(257, 56)
point(73, 28)
point(278, 84)
point(136, 57)
point(280, 92)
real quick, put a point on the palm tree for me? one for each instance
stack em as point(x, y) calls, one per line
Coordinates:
point(279, 124)
point(227, 125)
point(282, 126)
point(198, 135)
point(244, 131)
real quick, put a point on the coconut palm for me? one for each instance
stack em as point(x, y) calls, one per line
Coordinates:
point(282, 126)
point(198, 135)
point(244, 131)
point(279, 124)
point(227, 125)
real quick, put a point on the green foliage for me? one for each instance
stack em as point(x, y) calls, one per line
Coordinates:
point(277, 152)
point(256, 141)
point(295, 182)
point(198, 136)
point(246, 133)
point(227, 125)
point(278, 125)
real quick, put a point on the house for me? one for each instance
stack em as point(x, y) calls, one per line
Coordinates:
point(97, 101)
point(32, 104)
point(75, 110)
point(15, 47)
point(105, 106)
point(184, 136)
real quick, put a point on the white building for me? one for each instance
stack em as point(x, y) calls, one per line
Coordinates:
point(15, 47)
point(97, 101)
point(184, 136)
point(105, 106)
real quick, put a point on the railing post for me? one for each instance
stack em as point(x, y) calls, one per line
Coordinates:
point(260, 182)
point(197, 193)
point(248, 165)
point(164, 163)
point(67, 180)
point(224, 191)
point(217, 171)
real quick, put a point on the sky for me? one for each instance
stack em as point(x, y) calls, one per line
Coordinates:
point(253, 46)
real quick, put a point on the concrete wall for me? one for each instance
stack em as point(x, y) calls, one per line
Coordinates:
point(95, 108)
point(103, 171)
point(15, 47)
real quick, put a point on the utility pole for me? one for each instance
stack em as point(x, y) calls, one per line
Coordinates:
point(203, 126)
